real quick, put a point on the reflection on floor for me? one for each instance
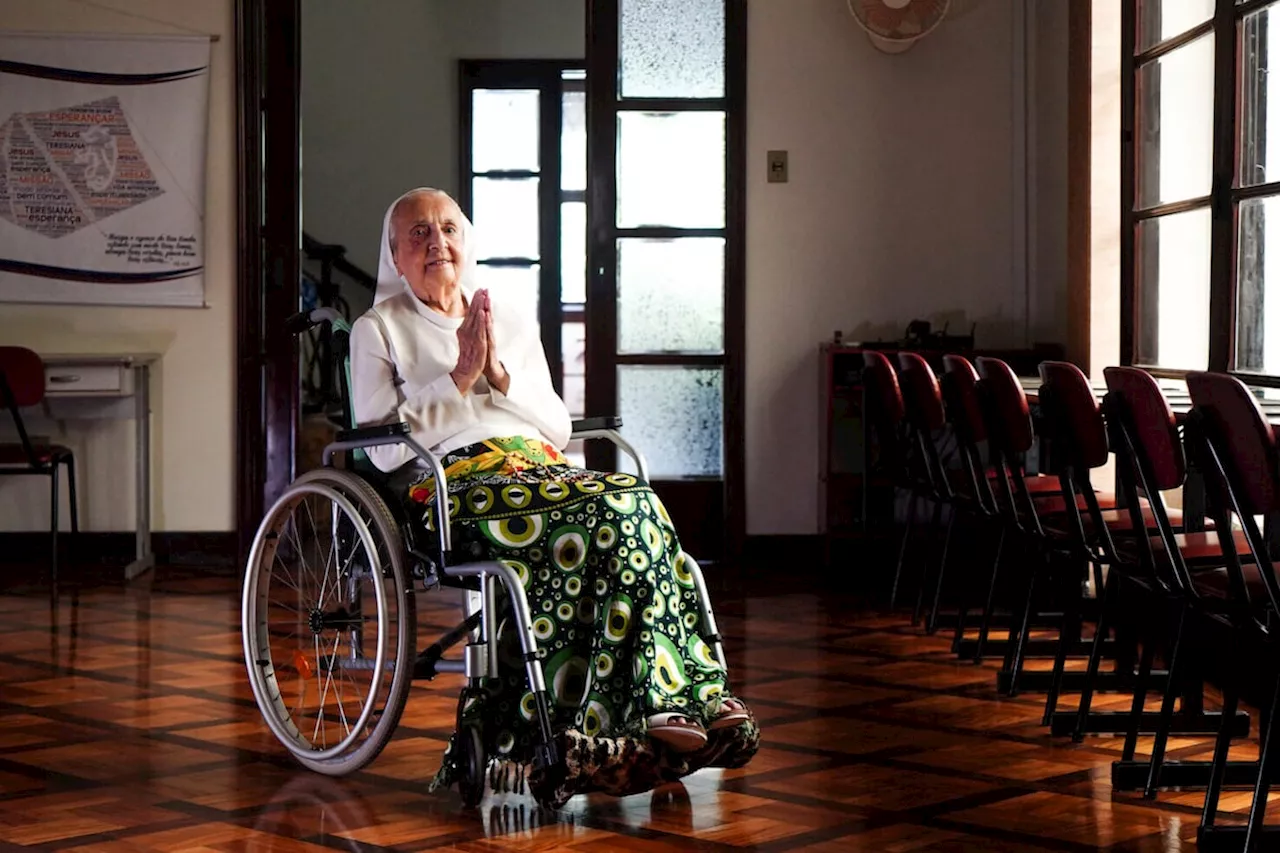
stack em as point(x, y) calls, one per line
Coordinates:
point(127, 724)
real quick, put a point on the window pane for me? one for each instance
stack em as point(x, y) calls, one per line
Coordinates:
point(573, 252)
point(573, 353)
point(671, 295)
point(674, 415)
point(573, 141)
point(1258, 286)
point(506, 217)
point(1259, 101)
point(516, 286)
point(1172, 254)
point(671, 169)
point(1175, 109)
point(1163, 19)
point(504, 130)
point(671, 48)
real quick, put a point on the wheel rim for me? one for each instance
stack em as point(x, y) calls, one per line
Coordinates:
point(290, 668)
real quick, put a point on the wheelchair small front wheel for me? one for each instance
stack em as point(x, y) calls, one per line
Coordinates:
point(329, 621)
point(472, 763)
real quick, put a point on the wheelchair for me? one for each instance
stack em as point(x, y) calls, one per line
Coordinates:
point(329, 610)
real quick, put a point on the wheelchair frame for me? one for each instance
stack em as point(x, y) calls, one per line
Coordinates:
point(480, 581)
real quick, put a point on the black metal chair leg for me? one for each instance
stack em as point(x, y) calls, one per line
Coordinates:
point(987, 611)
point(931, 626)
point(1258, 810)
point(1070, 631)
point(53, 523)
point(1095, 660)
point(1219, 770)
point(902, 549)
point(1014, 656)
point(1166, 713)
point(924, 567)
point(962, 599)
point(71, 491)
point(1139, 702)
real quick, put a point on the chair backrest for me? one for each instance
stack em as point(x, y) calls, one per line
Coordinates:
point(920, 392)
point(1151, 460)
point(1074, 414)
point(1150, 421)
point(340, 336)
point(23, 372)
point(1010, 424)
point(1241, 435)
point(884, 397)
point(960, 387)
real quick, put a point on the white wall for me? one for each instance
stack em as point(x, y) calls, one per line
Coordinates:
point(379, 98)
point(193, 417)
point(902, 203)
point(904, 199)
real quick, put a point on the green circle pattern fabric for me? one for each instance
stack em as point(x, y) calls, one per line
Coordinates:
point(614, 604)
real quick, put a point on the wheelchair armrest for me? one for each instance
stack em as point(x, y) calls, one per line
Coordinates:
point(594, 424)
point(607, 428)
point(373, 434)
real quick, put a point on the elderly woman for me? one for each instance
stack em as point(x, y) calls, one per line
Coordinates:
point(614, 606)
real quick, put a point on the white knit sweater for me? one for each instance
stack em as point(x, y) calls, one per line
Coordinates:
point(401, 355)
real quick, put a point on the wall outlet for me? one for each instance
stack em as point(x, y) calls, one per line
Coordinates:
point(777, 167)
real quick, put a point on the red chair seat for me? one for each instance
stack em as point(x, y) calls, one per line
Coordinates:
point(46, 454)
point(1215, 584)
point(1058, 505)
point(1118, 520)
point(1042, 484)
point(1204, 546)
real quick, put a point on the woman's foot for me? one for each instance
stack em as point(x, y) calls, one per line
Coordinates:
point(680, 733)
point(733, 712)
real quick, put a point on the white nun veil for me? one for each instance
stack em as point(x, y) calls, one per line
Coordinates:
point(391, 282)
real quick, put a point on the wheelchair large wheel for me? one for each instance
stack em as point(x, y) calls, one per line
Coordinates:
point(329, 621)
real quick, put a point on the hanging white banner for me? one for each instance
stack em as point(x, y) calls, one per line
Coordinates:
point(102, 165)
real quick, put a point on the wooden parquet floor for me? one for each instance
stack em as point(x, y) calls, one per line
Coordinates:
point(127, 724)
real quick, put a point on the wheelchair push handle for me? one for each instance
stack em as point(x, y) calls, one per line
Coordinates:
point(304, 320)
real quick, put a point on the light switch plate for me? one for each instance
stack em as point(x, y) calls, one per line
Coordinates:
point(777, 167)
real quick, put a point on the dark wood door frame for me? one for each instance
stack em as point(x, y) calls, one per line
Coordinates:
point(269, 238)
point(269, 235)
point(602, 310)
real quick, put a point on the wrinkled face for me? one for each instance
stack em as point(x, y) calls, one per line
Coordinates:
point(427, 244)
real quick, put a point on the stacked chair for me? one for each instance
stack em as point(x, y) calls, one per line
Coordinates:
point(1178, 599)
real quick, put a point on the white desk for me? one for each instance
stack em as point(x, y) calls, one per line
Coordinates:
point(110, 386)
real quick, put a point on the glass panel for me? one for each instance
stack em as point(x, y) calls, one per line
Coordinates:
point(573, 141)
point(1259, 101)
point(504, 130)
point(1258, 286)
point(671, 48)
point(671, 169)
point(671, 295)
point(1163, 19)
point(1175, 111)
point(573, 252)
point(573, 352)
point(516, 286)
point(506, 217)
point(675, 416)
point(1172, 257)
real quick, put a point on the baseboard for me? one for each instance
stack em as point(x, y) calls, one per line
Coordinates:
point(172, 548)
point(780, 555)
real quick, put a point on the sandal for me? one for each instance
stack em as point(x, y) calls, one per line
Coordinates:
point(680, 733)
point(733, 712)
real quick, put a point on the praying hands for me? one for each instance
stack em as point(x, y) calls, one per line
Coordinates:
point(477, 348)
